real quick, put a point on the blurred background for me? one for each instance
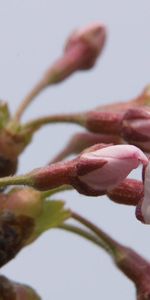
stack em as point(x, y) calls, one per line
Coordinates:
point(32, 34)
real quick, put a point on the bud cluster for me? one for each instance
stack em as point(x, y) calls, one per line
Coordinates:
point(117, 137)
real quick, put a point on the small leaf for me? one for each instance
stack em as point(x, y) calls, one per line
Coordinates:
point(53, 215)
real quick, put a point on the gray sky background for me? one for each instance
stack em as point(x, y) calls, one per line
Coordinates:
point(32, 35)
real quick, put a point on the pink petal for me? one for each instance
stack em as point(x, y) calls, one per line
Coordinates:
point(118, 151)
point(121, 160)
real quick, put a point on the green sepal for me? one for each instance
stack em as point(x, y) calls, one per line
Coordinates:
point(54, 214)
point(4, 114)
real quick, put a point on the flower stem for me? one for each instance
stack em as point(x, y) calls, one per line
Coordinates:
point(16, 180)
point(59, 71)
point(28, 99)
point(109, 244)
point(35, 124)
point(60, 189)
point(134, 266)
point(83, 233)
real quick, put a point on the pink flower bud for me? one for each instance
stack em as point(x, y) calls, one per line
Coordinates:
point(23, 201)
point(101, 168)
point(80, 53)
point(136, 127)
point(24, 292)
point(137, 269)
point(143, 207)
point(91, 39)
point(10, 290)
point(129, 192)
point(106, 122)
point(15, 231)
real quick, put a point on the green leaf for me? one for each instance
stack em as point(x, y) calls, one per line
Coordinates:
point(54, 214)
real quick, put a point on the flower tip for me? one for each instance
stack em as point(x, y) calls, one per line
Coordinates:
point(92, 38)
point(136, 126)
point(94, 33)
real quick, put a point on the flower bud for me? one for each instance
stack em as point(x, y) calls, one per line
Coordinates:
point(8, 163)
point(80, 53)
point(137, 269)
point(129, 192)
point(11, 145)
point(101, 168)
point(25, 214)
point(143, 99)
point(14, 234)
point(10, 290)
point(106, 122)
point(96, 171)
point(51, 176)
point(136, 127)
point(24, 292)
point(143, 207)
point(7, 166)
point(91, 39)
point(22, 201)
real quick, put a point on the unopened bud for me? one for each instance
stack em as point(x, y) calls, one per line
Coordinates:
point(137, 269)
point(14, 233)
point(102, 168)
point(52, 176)
point(95, 171)
point(104, 122)
point(24, 292)
point(8, 163)
point(24, 215)
point(10, 290)
point(11, 146)
point(23, 201)
point(7, 166)
point(129, 192)
point(81, 52)
point(139, 101)
point(91, 39)
point(136, 127)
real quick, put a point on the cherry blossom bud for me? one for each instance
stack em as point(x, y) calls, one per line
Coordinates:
point(10, 290)
point(8, 161)
point(51, 176)
point(102, 168)
point(143, 207)
point(22, 201)
point(7, 166)
point(24, 215)
point(106, 122)
point(95, 171)
point(14, 234)
point(143, 99)
point(136, 127)
point(129, 192)
point(24, 292)
point(80, 53)
point(91, 39)
point(137, 269)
